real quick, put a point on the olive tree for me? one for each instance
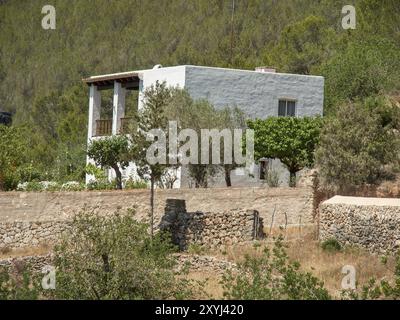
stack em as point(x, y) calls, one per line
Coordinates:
point(110, 152)
point(114, 257)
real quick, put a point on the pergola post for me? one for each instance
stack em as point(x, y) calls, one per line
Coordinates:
point(94, 110)
point(118, 106)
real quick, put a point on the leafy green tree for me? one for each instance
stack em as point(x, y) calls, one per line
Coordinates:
point(272, 276)
point(355, 148)
point(365, 68)
point(13, 148)
point(114, 257)
point(303, 46)
point(110, 152)
point(292, 140)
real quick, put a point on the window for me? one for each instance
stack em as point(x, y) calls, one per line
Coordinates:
point(287, 108)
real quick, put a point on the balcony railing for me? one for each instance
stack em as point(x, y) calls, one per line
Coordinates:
point(126, 125)
point(103, 127)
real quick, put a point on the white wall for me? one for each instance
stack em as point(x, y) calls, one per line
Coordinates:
point(256, 93)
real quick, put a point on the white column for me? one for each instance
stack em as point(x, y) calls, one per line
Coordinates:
point(94, 114)
point(118, 106)
point(94, 110)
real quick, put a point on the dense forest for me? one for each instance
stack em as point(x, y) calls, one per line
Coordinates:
point(41, 70)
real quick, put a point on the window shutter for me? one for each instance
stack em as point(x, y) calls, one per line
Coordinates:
point(291, 108)
point(282, 108)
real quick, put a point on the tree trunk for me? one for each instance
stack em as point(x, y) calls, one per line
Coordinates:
point(152, 207)
point(228, 176)
point(292, 179)
point(118, 178)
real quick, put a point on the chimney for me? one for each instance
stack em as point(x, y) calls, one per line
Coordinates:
point(265, 69)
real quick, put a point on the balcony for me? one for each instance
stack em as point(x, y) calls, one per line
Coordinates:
point(104, 126)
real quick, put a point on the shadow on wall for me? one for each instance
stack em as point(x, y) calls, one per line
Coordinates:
point(210, 229)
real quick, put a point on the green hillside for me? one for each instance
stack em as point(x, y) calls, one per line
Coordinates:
point(40, 70)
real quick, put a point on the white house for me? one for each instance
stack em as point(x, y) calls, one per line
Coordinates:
point(260, 93)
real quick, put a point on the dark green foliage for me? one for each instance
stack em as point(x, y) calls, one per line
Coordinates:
point(364, 69)
point(383, 289)
point(331, 245)
point(13, 148)
point(355, 149)
point(272, 276)
point(111, 152)
point(41, 70)
point(290, 139)
point(17, 283)
point(114, 257)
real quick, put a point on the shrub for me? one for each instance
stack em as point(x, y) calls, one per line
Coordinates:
point(383, 289)
point(18, 285)
point(355, 148)
point(273, 179)
point(331, 245)
point(195, 248)
point(272, 276)
point(114, 257)
point(73, 186)
point(135, 184)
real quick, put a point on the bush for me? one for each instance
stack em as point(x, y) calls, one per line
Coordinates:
point(135, 184)
point(331, 245)
point(383, 289)
point(73, 186)
point(355, 149)
point(273, 179)
point(19, 284)
point(272, 277)
point(114, 257)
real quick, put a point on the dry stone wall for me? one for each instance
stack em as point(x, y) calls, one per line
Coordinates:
point(210, 229)
point(371, 223)
point(29, 218)
point(30, 233)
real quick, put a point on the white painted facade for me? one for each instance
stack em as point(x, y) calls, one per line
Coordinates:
point(257, 93)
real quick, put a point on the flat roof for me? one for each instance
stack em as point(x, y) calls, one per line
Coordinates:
point(107, 79)
point(364, 201)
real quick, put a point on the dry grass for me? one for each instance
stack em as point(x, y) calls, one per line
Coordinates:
point(41, 249)
point(327, 266)
point(212, 288)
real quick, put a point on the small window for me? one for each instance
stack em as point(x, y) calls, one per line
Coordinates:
point(287, 108)
point(263, 169)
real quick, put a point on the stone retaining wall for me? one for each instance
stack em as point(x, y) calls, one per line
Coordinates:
point(210, 229)
point(371, 223)
point(29, 218)
point(30, 234)
point(192, 262)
